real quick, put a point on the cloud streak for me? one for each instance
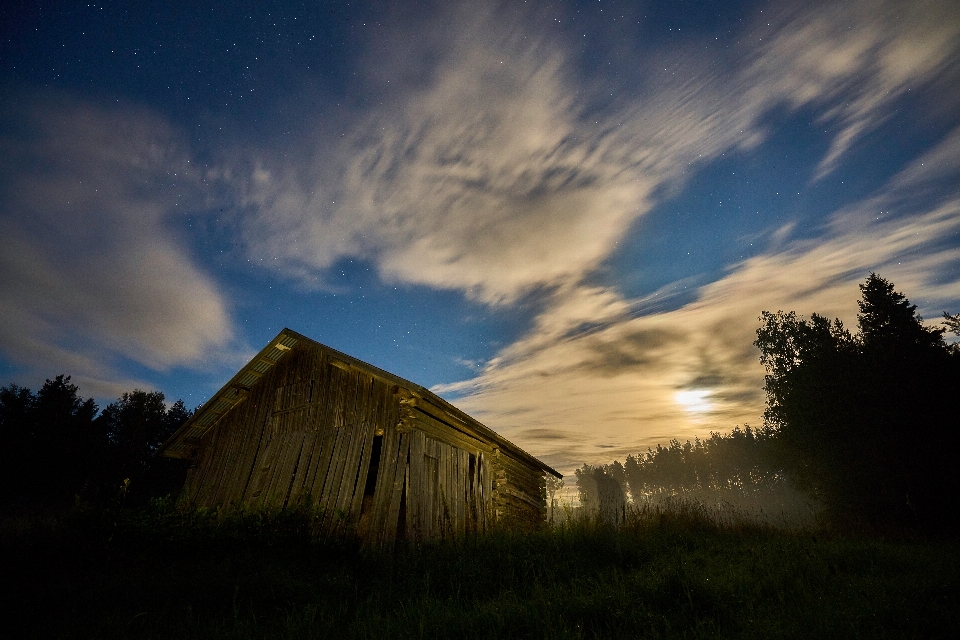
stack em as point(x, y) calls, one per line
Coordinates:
point(91, 271)
point(611, 389)
point(491, 164)
point(853, 61)
point(499, 170)
point(486, 181)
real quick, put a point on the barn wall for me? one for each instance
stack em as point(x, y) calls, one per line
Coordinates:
point(448, 489)
point(519, 493)
point(316, 431)
point(303, 436)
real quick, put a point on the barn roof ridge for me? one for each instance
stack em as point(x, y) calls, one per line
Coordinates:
point(183, 442)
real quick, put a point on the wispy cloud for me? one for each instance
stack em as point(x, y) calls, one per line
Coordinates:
point(852, 61)
point(90, 270)
point(612, 389)
point(488, 165)
point(486, 181)
point(498, 169)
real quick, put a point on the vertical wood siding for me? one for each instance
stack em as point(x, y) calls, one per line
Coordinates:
point(305, 434)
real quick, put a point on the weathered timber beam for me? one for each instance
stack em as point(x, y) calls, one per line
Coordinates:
point(444, 433)
point(473, 428)
point(522, 495)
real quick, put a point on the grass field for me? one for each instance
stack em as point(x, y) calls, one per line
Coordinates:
point(160, 573)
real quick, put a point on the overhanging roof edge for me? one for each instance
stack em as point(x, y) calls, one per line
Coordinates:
point(235, 382)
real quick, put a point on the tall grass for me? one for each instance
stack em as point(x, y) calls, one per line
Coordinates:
point(669, 571)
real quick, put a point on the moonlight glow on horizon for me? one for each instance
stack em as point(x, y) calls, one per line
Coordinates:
point(555, 216)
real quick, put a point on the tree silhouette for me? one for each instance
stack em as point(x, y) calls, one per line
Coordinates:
point(601, 494)
point(742, 461)
point(888, 321)
point(56, 447)
point(866, 422)
point(135, 426)
point(952, 322)
point(52, 449)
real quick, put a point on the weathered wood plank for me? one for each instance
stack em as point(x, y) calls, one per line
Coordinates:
point(463, 488)
point(456, 497)
point(448, 508)
point(293, 426)
point(278, 449)
point(217, 441)
point(359, 454)
point(530, 486)
point(352, 442)
point(381, 532)
point(373, 414)
point(430, 480)
point(276, 487)
point(449, 494)
point(265, 465)
point(237, 461)
point(232, 475)
point(291, 411)
point(433, 464)
point(418, 496)
point(247, 450)
point(487, 491)
point(444, 520)
point(480, 493)
point(326, 437)
point(398, 491)
point(454, 500)
point(197, 488)
point(331, 485)
point(225, 475)
point(343, 470)
point(326, 468)
point(383, 491)
point(300, 494)
point(523, 497)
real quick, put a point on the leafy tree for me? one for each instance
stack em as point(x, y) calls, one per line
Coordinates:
point(952, 322)
point(50, 440)
point(56, 447)
point(601, 493)
point(865, 421)
point(135, 426)
point(177, 414)
point(16, 405)
point(741, 462)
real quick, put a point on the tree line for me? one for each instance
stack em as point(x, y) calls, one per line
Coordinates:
point(740, 472)
point(866, 424)
point(58, 446)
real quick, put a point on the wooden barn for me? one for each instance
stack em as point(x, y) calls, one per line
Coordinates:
point(304, 425)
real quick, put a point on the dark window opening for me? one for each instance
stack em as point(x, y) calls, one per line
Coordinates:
point(371, 484)
point(472, 494)
point(472, 472)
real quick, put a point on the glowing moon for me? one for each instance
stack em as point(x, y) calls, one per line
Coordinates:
point(694, 400)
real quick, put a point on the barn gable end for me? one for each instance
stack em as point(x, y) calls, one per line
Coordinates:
point(305, 425)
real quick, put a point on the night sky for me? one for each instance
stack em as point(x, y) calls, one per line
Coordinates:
point(564, 217)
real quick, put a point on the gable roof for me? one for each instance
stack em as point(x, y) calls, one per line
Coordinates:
point(184, 442)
